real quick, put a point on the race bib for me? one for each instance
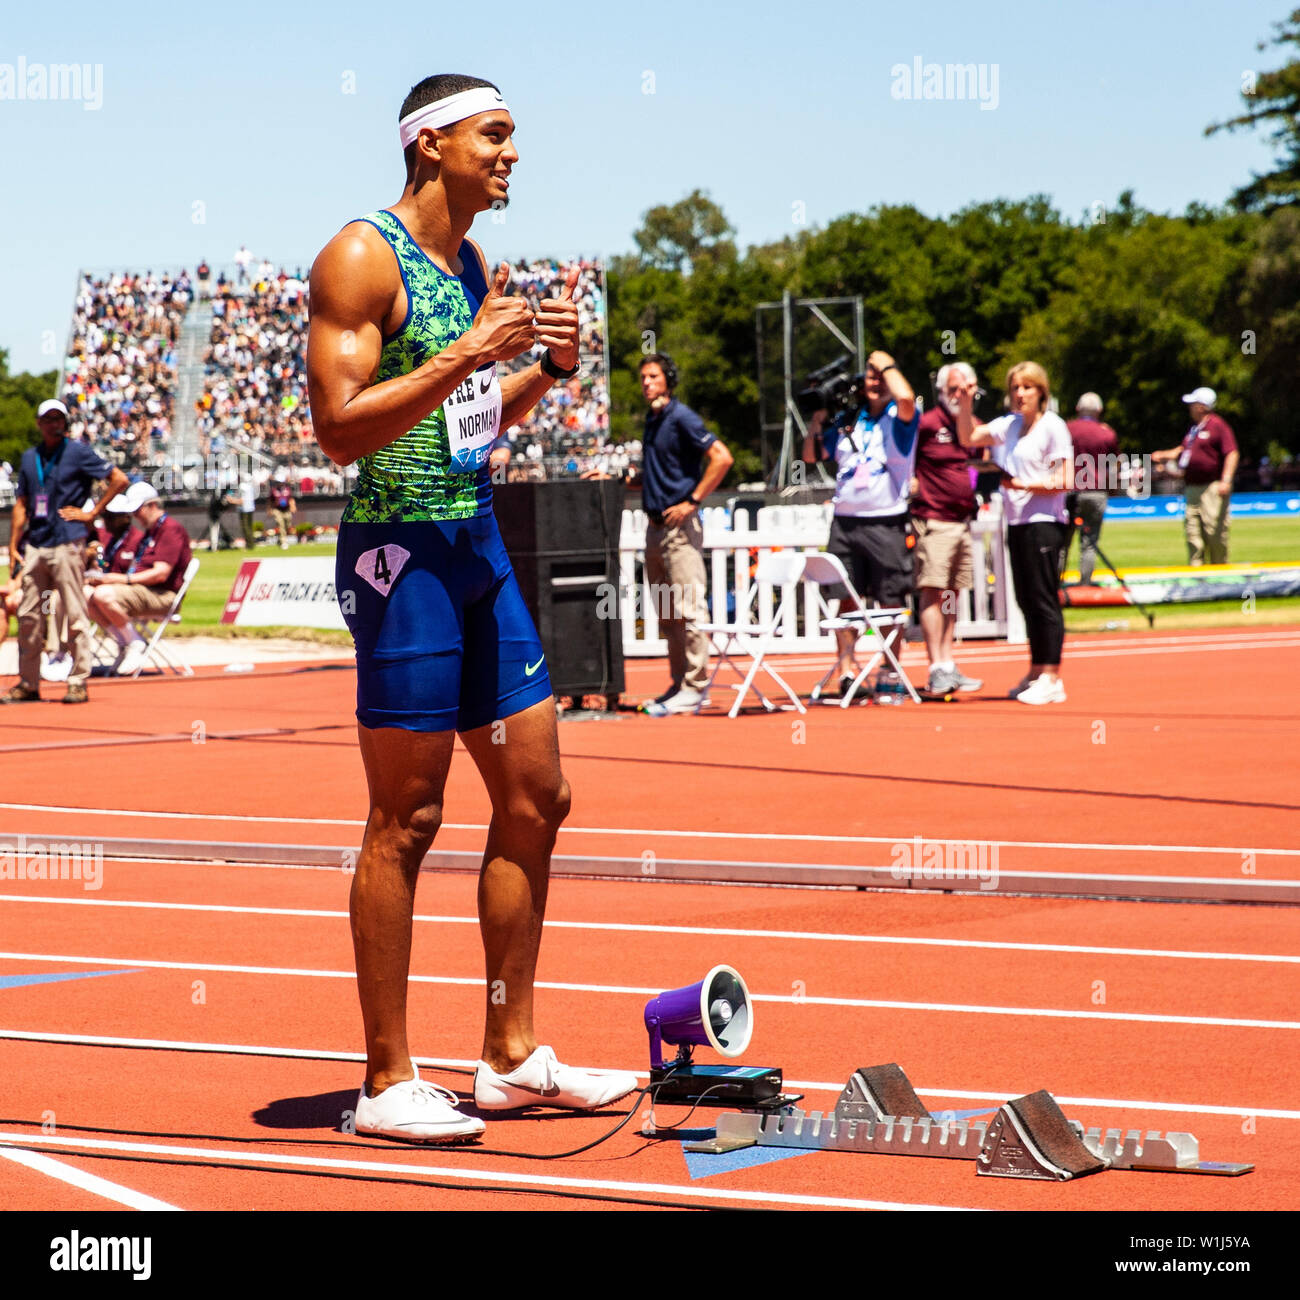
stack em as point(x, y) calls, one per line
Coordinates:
point(381, 566)
point(473, 415)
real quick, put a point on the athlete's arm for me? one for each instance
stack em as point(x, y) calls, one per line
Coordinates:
point(354, 284)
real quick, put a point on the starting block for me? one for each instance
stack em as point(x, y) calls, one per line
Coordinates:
point(1031, 1138)
point(879, 1113)
point(1173, 1153)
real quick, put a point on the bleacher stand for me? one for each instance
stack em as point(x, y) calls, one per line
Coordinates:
point(121, 378)
point(120, 373)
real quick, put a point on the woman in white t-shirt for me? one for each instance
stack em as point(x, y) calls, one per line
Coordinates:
point(1032, 447)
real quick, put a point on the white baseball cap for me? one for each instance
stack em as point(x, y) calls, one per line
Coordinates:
point(1205, 396)
point(45, 408)
point(128, 502)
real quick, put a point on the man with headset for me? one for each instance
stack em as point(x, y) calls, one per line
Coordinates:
point(674, 487)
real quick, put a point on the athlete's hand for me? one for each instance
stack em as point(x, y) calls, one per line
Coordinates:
point(503, 327)
point(556, 323)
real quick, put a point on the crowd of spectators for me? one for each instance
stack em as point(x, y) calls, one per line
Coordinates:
point(255, 379)
point(120, 374)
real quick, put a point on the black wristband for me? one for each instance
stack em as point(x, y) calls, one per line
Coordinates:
point(549, 367)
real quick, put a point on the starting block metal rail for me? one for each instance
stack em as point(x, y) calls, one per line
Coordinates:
point(1006, 1146)
point(898, 1135)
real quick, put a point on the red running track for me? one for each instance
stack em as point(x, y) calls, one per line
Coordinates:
point(1135, 1015)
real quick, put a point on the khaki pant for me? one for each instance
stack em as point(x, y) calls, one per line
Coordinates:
point(1206, 524)
point(674, 568)
point(53, 569)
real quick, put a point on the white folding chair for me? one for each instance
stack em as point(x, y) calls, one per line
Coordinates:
point(152, 627)
point(884, 626)
point(780, 569)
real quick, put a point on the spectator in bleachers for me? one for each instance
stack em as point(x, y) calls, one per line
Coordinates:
point(120, 375)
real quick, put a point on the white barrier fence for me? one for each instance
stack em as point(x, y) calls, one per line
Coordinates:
point(732, 548)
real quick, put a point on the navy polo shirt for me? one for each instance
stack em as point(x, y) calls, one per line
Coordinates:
point(66, 479)
point(674, 439)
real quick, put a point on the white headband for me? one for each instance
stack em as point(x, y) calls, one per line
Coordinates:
point(455, 108)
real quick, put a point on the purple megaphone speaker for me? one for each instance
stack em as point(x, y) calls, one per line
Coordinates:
point(716, 1012)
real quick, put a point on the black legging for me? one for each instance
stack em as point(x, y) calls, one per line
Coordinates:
point(1035, 551)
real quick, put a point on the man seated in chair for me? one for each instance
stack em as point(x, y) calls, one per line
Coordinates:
point(149, 585)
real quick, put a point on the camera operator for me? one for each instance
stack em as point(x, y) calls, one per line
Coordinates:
point(873, 445)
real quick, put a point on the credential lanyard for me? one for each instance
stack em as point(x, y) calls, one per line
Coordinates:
point(147, 543)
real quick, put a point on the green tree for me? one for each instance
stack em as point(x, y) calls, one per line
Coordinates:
point(1143, 314)
point(1270, 308)
point(1273, 101)
point(676, 236)
point(20, 395)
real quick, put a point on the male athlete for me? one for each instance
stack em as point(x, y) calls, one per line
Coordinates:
point(405, 335)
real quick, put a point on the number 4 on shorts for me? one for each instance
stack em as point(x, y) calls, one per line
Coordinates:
point(380, 567)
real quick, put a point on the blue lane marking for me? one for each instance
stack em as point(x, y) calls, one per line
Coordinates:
point(17, 981)
point(700, 1165)
point(964, 1114)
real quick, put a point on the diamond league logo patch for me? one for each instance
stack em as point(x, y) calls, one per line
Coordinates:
point(381, 566)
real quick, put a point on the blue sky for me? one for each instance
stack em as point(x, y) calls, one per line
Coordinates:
point(272, 125)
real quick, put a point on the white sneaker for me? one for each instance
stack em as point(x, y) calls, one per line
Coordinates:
point(415, 1111)
point(132, 659)
point(1043, 690)
point(685, 701)
point(56, 668)
point(542, 1081)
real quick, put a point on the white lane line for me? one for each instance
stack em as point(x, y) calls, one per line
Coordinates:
point(809, 936)
point(908, 838)
point(218, 1156)
point(1075, 646)
point(455, 1063)
point(651, 991)
point(87, 1182)
point(1237, 1112)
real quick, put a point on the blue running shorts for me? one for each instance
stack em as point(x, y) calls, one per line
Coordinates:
point(444, 640)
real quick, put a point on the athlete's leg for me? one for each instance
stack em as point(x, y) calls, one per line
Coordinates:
point(519, 759)
point(406, 772)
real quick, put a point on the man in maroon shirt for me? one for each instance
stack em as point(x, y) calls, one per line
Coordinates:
point(149, 585)
point(943, 504)
point(118, 537)
point(1208, 458)
point(1096, 447)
